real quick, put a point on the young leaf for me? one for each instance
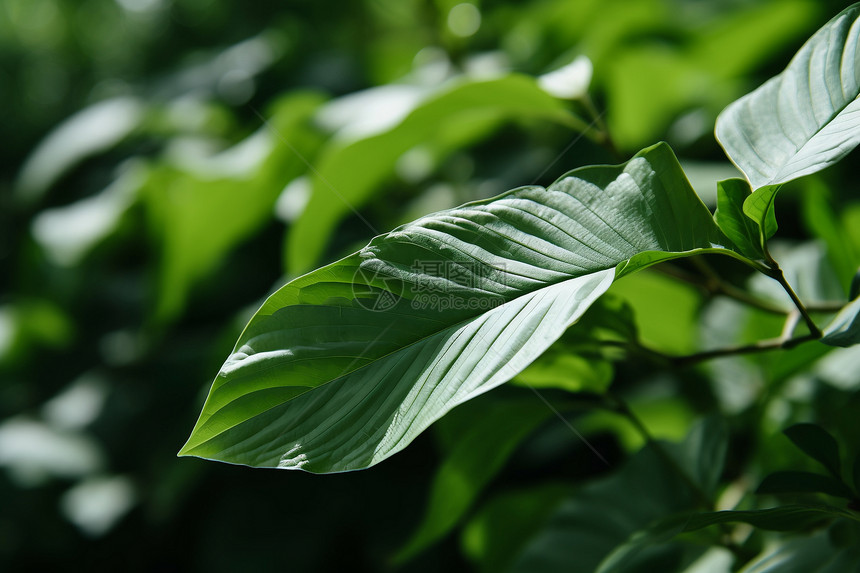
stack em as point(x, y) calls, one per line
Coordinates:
point(759, 207)
point(804, 119)
point(802, 482)
point(479, 454)
point(344, 366)
point(730, 216)
point(818, 444)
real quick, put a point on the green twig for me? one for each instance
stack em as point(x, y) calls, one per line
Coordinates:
point(712, 285)
point(777, 274)
point(786, 341)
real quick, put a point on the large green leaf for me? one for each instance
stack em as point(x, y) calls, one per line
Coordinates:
point(344, 366)
point(804, 119)
point(347, 174)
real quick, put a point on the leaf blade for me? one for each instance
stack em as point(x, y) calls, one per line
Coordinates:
point(343, 367)
point(818, 91)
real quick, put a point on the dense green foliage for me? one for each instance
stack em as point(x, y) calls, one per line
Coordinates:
point(674, 382)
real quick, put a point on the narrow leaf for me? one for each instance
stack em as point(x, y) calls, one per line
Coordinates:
point(817, 443)
point(783, 518)
point(343, 367)
point(804, 119)
point(802, 482)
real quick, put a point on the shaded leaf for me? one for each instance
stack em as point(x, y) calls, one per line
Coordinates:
point(703, 451)
point(817, 443)
point(802, 482)
point(479, 453)
point(590, 524)
point(501, 529)
point(816, 554)
point(343, 367)
point(857, 474)
point(784, 518)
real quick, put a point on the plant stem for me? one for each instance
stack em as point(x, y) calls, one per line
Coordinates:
point(777, 274)
point(712, 285)
point(784, 342)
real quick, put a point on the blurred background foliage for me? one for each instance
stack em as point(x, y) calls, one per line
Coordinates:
point(169, 162)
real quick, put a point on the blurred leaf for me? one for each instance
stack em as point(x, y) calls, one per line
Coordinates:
point(559, 368)
point(666, 310)
point(587, 526)
point(730, 216)
point(856, 471)
point(818, 444)
point(819, 91)
point(347, 176)
point(802, 482)
point(844, 329)
point(661, 534)
point(650, 83)
point(815, 554)
point(501, 528)
point(69, 233)
point(783, 518)
point(200, 218)
point(88, 132)
point(822, 221)
point(437, 312)
point(477, 456)
point(703, 452)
